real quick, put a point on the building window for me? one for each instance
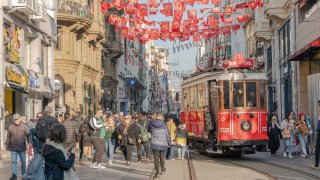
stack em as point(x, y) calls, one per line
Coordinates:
point(43, 61)
point(238, 94)
point(251, 98)
point(59, 95)
point(58, 45)
point(226, 95)
point(284, 40)
point(269, 58)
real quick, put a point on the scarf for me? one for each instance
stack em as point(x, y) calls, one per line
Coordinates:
point(69, 174)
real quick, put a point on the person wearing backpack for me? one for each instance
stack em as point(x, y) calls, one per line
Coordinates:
point(86, 145)
point(58, 161)
point(303, 133)
point(97, 134)
point(42, 127)
point(17, 134)
point(143, 124)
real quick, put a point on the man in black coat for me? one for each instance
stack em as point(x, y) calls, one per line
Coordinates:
point(209, 127)
point(43, 126)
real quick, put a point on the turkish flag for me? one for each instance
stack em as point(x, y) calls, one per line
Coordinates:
point(177, 16)
point(153, 3)
point(142, 10)
point(137, 23)
point(180, 6)
point(124, 31)
point(229, 9)
point(130, 9)
point(196, 37)
point(259, 3)
point(112, 19)
point(104, 6)
point(144, 35)
point(216, 9)
point(167, 9)
point(192, 14)
point(242, 18)
point(190, 2)
point(153, 11)
point(216, 2)
point(164, 36)
point(131, 34)
point(212, 21)
point(203, 1)
point(118, 4)
point(204, 10)
point(235, 27)
point(175, 27)
point(164, 26)
point(154, 34)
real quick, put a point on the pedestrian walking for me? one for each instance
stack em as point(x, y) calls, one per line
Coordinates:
point(58, 161)
point(17, 134)
point(97, 135)
point(182, 135)
point(287, 129)
point(302, 130)
point(129, 136)
point(143, 124)
point(110, 138)
point(42, 127)
point(118, 122)
point(172, 131)
point(160, 141)
point(86, 145)
point(72, 131)
point(317, 151)
point(274, 134)
point(32, 128)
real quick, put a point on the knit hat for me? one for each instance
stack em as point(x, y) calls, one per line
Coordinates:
point(16, 116)
point(300, 114)
point(274, 118)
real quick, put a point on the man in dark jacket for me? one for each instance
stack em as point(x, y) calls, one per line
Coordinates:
point(209, 127)
point(43, 126)
point(16, 143)
point(72, 132)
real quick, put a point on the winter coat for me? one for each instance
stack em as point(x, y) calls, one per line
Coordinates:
point(274, 137)
point(84, 132)
point(172, 130)
point(55, 162)
point(97, 125)
point(50, 121)
point(160, 137)
point(8, 121)
point(17, 136)
point(133, 134)
point(72, 131)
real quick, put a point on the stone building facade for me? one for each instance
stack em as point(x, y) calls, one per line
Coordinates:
point(78, 54)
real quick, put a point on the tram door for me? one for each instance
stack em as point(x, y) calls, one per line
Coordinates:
point(214, 99)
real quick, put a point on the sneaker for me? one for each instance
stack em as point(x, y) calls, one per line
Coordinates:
point(163, 171)
point(94, 166)
point(314, 167)
point(101, 166)
point(284, 154)
point(156, 175)
point(139, 162)
point(290, 156)
point(128, 163)
point(172, 159)
point(303, 156)
point(110, 162)
point(13, 177)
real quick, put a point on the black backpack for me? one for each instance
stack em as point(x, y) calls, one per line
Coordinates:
point(43, 127)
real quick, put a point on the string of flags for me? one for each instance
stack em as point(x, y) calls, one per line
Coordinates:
point(135, 24)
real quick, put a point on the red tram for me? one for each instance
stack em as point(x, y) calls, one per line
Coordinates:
point(237, 101)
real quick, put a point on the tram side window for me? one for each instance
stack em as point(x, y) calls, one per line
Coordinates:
point(262, 94)
point(226, 94)
point(251, 88)
point(238, 99)
point(186, 98)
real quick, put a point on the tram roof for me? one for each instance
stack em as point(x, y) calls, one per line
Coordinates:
point(222, 75)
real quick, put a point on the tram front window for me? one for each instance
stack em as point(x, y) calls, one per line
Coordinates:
point(251, 94)
point(238, 94)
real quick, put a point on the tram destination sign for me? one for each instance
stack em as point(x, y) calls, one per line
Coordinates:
point(246, 63)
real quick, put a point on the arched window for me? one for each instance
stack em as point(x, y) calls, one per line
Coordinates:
point(59, 94)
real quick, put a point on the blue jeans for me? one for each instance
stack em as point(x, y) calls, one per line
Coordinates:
point(288, 144)
point(110, 143)
point(303, 140)
point(182, 151)
point(170, 152)
point(14, 158)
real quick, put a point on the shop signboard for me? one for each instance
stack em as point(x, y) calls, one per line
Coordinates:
point(16, 75)
point(12, 42)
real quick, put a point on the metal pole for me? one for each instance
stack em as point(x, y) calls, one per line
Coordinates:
point(1, 79)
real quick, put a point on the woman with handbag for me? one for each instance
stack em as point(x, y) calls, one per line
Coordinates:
point(129, 137)
point(303, 133)
point(287, 129)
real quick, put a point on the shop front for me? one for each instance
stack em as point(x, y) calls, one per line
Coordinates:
point(35, 98)
point(16, 88)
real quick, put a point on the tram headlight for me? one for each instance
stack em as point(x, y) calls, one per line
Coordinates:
point(245, 125)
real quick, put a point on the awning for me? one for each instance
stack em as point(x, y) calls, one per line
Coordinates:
point(307, 52)
point(135, 82)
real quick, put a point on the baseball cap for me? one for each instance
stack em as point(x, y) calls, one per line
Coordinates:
point(16, 116)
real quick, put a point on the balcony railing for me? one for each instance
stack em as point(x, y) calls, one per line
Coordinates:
point(312, 10)
point(25, 6)
point(75, 9)
point(41, 11)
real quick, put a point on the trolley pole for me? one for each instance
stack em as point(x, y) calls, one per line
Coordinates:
point(2, 72)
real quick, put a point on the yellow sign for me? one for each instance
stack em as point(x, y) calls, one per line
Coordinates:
point(13, 76)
